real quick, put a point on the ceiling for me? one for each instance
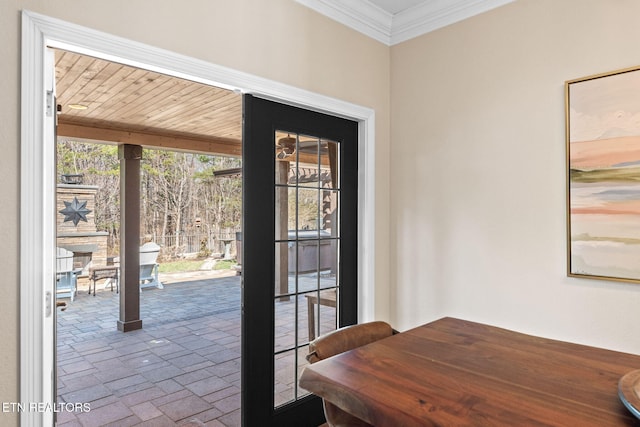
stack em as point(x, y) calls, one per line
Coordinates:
point(395, 21)
point(127, 105)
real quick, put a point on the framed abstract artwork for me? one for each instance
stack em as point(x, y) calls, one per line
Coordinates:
point(603, 176)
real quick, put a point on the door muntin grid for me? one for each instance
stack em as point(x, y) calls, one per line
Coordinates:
point(307, 214)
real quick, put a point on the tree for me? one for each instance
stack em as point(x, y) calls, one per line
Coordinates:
point(180, 196)
point(99, 165)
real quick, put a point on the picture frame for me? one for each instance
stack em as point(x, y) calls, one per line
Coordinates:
point(602, 114)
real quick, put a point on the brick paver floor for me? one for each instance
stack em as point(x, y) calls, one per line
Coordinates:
point(182, 367)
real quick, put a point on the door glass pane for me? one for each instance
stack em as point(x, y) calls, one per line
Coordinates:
point(286, 198)
point(329, 219)
point(307, 194)
point(308, 212)
point(307, 260)
point(327, 319)
point(285, 324)
point(329, 164)
point(285, 279)
point(285, 387)
point(320, 317)
point(285, 384)
point(287, 154)
point(309, 167)
point(302, 362)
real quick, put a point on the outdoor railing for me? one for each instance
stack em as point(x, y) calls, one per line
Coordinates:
point(196, 243)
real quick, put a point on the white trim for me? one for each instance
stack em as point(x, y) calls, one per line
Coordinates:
point(37, 228)
point(37, 237)
point(359, 15)
point(390, 29)
point(30, 226)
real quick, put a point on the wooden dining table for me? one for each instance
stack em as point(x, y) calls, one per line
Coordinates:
point(453, 372)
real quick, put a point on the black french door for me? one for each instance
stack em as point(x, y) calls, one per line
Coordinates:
point(299, 252)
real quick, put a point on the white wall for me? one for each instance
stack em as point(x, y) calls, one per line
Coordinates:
point(478, 194)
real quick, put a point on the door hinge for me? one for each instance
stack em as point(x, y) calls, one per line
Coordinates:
point(47, 304)
point(50, 103)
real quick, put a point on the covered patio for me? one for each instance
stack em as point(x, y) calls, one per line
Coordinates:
point(137, 109)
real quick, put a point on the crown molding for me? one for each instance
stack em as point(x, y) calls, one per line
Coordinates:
point(359, 15)
point(369, 19)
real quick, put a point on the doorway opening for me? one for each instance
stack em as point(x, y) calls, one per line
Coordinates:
point(37, 249)
point(184, 364)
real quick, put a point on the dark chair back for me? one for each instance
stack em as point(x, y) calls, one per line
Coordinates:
point(339, 341)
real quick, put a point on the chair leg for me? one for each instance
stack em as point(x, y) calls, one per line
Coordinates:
point(156, 279)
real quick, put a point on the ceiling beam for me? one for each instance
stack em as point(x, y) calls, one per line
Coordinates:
point(226, 147)
point(214, 146)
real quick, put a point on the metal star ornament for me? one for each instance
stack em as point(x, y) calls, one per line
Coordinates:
point(75, 211)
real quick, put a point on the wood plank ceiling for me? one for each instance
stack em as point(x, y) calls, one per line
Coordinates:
point(127, 105)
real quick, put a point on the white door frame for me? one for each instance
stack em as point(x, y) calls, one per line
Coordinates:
point(37, 232)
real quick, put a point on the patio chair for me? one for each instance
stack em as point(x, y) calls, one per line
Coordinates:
point(148, 266)
point(66, 276)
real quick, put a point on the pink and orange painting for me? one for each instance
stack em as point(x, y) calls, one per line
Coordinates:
point(603, 160)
